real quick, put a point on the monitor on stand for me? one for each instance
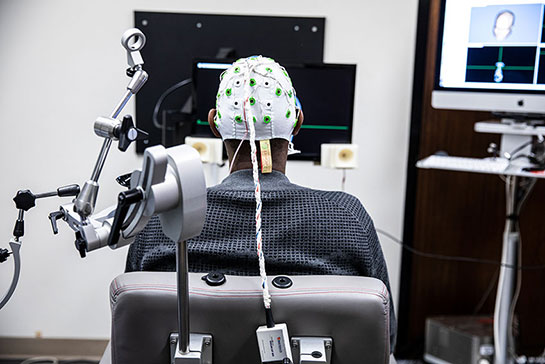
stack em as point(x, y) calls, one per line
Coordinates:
point(324, 91)
point(491, 57)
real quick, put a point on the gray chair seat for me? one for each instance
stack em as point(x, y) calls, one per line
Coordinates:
point(351, 310)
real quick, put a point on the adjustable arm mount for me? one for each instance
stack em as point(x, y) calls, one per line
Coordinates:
point(170, 184)
point(159, 188)
point(109, 128)
point(133, 40)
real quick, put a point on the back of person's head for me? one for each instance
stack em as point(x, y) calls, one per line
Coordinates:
point(255, 89)
point(256, 93)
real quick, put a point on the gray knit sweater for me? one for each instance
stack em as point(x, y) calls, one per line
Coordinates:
point(305, 231)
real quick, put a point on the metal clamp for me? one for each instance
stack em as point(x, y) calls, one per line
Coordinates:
point(133, 40)
point(200, 350)
point(311, 350)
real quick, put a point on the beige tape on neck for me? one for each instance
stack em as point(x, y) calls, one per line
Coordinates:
point(266, 156)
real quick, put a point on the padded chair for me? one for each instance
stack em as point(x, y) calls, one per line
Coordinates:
point(353, 312)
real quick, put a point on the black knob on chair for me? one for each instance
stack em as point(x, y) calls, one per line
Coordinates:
point(282, 282)
point(214, 279)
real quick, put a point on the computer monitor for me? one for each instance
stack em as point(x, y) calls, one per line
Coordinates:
point(174, 40)
point(325, 92)
point(491, 56)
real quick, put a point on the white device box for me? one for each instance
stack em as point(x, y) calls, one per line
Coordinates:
point(210, 149)
point(339, 156)
point(274, 343)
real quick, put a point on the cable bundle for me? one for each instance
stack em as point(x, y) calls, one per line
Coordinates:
point(248, 115)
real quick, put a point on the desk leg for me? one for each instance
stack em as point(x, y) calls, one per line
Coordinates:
point(517, 189)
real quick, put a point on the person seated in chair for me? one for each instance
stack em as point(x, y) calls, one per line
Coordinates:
point(304, 231)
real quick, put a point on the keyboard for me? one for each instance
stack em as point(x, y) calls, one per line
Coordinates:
point(486, 165)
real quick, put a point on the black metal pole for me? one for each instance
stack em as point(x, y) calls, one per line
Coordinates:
point(182, 272)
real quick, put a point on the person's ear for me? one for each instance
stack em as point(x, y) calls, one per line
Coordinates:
point(211, 117)
point(300, 118)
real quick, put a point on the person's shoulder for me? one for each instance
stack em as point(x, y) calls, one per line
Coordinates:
point(346, 202)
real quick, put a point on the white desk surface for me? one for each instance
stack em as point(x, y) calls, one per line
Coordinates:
point(511, 170)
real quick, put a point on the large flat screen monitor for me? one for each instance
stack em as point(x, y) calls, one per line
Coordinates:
point(491, 56)
point(325, 92)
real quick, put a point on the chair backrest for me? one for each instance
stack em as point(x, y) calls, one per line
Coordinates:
point(353, 311)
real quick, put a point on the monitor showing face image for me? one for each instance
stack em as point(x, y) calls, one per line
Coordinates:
point(491, 56)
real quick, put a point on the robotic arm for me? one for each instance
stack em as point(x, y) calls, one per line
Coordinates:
point(170, 184)
point(133, 40)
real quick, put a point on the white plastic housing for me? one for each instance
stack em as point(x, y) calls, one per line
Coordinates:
point(210, 149)
point(339, 156)
point(274, 343)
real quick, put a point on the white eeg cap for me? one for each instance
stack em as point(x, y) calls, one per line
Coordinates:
point(267, 89)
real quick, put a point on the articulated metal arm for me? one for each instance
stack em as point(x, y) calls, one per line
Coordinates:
point(133, 40)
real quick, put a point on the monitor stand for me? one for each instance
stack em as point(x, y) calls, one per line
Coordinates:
point(516, 134)
point(521, 136)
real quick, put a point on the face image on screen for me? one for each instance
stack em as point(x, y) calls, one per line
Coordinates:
point(493, 45)
point(325, 92)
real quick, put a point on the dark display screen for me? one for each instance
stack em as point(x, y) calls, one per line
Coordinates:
point(325, 92)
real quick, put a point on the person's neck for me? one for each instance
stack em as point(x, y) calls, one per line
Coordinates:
point(243, 160)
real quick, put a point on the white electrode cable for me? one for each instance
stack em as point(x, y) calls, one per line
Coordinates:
point(256, 102)
point(236, 153)
point(248, 115)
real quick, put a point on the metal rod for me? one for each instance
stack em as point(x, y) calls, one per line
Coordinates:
point(108, 142)
point(46, 194)
point(121, 104)
point(182, 270)
point(21, 215)
point(101, 159)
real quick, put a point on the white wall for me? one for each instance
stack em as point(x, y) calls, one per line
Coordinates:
point(61, 66)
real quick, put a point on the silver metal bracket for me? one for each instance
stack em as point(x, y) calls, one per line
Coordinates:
point(133, 40)
point(200, 350)
point(311, 350)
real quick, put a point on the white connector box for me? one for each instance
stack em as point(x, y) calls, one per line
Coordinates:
point(274, 343)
